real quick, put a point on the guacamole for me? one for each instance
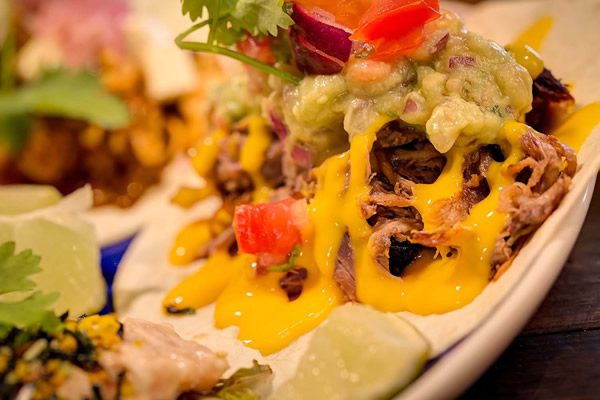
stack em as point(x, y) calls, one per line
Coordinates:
point(457, 86)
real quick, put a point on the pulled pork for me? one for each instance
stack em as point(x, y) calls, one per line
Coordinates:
point(543, 178)
point(403, 152)
point(344, 273)
point(450, 212)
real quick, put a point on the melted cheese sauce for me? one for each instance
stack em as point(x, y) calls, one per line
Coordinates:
point(536, 34)
point(195, 236)
point(447, 185)
point(526, 47)
point(268, 321)
point(207, 152)
point(440, 284)
point(252, 156)
point(578, 126)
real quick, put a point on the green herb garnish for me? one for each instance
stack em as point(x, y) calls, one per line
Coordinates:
point(242, 384)
point(60, 93)
point(33, 311)
point(290, 263)
point(229, 21)
point(70, 94)
point(496, 110)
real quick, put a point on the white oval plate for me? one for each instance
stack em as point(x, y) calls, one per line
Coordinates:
point(476, 334)
point(115, 224)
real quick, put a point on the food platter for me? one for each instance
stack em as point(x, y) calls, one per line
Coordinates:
point(372, 204)
point(466, 341)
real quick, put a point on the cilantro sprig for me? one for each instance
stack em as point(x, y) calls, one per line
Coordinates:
point(229, 21)
point(32, 311)
point(60, 93)
point(290, 263)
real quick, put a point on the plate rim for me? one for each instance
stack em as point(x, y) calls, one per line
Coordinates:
point(471, 357)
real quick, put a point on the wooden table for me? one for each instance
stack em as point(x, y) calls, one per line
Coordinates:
point(558, 353)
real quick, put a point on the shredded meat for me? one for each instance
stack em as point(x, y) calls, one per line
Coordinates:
point(383, 197)
point(231, 179)
point(552, 102)
point(449, 212)
point(293, 282)
point(403, 152)
point(344, 273)
point(549, 167)
point(381, 238)
point(396, 134)
point(272, 168)
point(233, 182)
point(418, 162)
point(223, 241)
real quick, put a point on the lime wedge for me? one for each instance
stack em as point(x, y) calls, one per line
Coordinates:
point(51, 227)
point(359, 353)
point(19, 199)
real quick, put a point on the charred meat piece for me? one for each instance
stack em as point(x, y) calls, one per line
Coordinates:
point(383, 234)
point(403, 152)
point(292, 282)
point(543, 178)
point(418, 162)
point(397, 134)
point(402, 254)
point(552, 102)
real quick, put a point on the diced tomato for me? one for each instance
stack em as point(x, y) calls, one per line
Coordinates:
point(394, 27)
point(346, 12)
point(271, 231)
point(259, 48)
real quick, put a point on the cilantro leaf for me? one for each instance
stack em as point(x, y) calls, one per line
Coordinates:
point(31, 312)
point(291, 261)
point(230, 21)
point(34, 310)
point(215, 8)
point(260, 17)
point(16, 268)
point(62, 93)
point(244, 384)
point(14, 130)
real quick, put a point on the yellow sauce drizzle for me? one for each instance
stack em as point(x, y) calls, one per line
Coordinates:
point(207, 152)
point(252, 156)
point(575, 130)
point(527, 58)
point(195, 236)
point(268, 321)
point(205, 286)
point(447, 185)
point(537, 33)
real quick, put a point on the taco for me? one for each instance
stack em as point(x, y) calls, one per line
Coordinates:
point(86, 98)
point(387, 156)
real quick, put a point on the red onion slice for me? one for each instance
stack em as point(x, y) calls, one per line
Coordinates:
point(278, 126)
point(309, 59)
point(461, 61)
point(322, 32)
point(302, 156)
